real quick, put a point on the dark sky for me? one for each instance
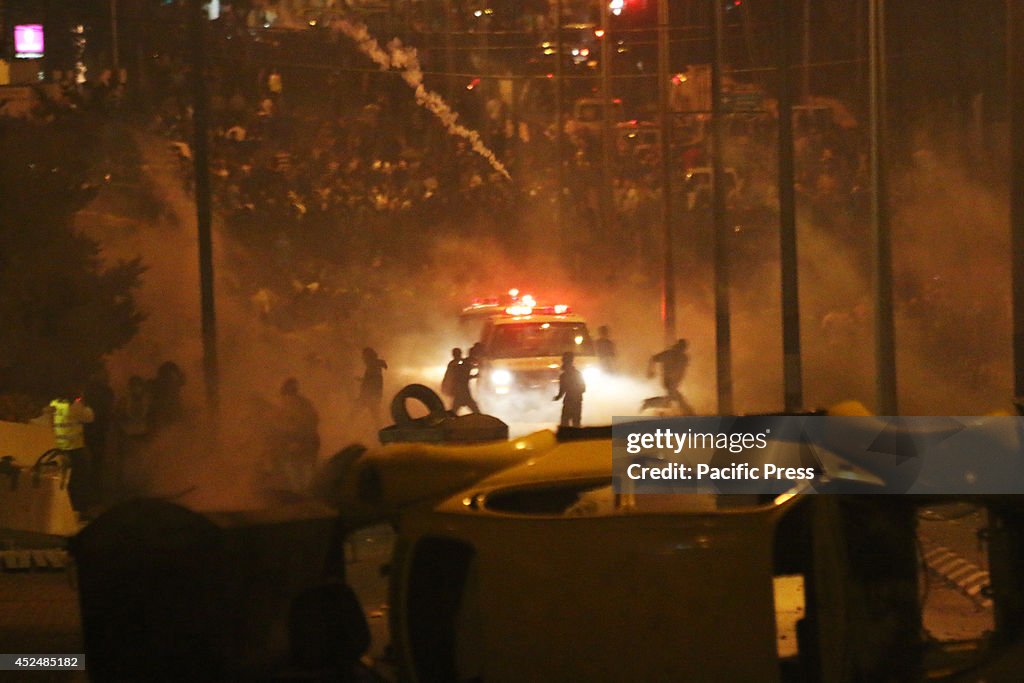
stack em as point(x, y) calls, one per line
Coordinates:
point(943, 53)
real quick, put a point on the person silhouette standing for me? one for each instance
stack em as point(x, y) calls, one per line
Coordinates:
point(371, 385)
point(570, 389)
point(605, 349)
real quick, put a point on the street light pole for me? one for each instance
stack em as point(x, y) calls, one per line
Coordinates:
point(560, 123)
point(805, 85)
point(792, 369)
point(606, 202)
point(668, 302)
point(114, 48)
point(1015, 84)
point(200, 156)
point(885, 347)
point(720, 232)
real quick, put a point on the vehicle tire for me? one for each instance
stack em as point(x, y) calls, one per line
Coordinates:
point(426, 396)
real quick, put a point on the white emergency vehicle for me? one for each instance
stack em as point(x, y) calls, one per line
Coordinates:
point(522, 342)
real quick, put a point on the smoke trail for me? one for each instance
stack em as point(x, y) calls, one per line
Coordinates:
point(398, 56)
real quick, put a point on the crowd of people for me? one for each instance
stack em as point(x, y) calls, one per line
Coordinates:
point(110, 441)
point(351, 171)
point(328, 168)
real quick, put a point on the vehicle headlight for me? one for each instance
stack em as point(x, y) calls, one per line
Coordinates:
point(501, 378)
point(592, 374)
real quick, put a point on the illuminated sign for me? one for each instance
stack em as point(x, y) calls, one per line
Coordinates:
point(28, 41)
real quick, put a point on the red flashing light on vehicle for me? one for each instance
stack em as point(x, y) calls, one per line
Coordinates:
point(519, 310)
point(514, 305)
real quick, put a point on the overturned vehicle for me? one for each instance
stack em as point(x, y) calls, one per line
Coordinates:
point(516, 560)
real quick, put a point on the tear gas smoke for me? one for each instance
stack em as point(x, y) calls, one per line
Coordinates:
point(211, 463)
point(404, 58)
point(952, 321)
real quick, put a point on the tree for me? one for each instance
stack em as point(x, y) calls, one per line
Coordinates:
point(61, 309)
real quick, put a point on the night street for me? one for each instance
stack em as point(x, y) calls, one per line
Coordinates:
point(489, 342)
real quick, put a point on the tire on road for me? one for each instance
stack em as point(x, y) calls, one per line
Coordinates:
point(426, 396)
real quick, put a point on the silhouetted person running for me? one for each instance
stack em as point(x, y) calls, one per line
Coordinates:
point(456, 382)
point(570, 389)
point(674, 361)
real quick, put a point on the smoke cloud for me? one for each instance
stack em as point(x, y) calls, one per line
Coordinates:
point(952, 313)
point(398, 56)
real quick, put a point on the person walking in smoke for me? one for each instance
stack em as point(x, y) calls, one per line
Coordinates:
point(674, 361)
point(448, 382)
point(605, 349)
point(371, 385)
point(133, 420)
point(167, 405)
point(297, 437)
point(570, 388)
point(475, 359)
point(456, 382)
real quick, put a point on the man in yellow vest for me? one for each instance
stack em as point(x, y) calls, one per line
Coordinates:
point(68, 416)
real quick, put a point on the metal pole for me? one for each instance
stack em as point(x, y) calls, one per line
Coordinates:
point(792, 367)
point(858, 51)
point(560, 123)
point(806, 72)
point(885, 350)
point(485, 43)
point(200, 155)
point(723, 333)
point(1015, 84)
point(113, 39)
point(668, 302)
point(606, 202)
